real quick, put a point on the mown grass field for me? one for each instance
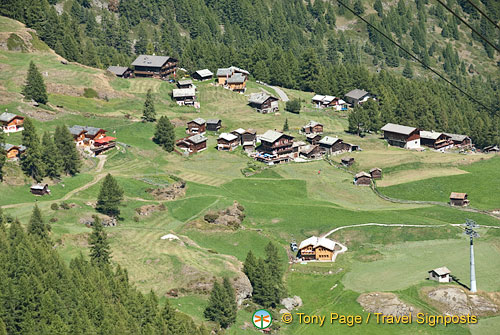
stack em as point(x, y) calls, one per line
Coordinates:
point(286, 202)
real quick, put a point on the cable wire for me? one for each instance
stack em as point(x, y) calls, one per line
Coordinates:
point(468, 25)
point(416, 58)
point(483, 14)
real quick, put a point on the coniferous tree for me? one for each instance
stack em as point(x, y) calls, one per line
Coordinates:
point(232, 306)
point(221, 306)
point(164, 134)
point(276, 272)
point(149, 113)
point(36, 226)
point(100, 253)
point(3, 154)
point(285, 125)
point(358, 7)
point(408, 71)
point(250, 266)
point(35, 86)
point(69, 156)
point(31, 160)
point(51, 157)
point(110, 196)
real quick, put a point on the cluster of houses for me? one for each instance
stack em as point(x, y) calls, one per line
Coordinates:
point(352, 98)
point(413, 138)
point(233, 78)
point(91, 139)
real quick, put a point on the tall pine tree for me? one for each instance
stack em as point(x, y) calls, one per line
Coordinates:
point(100, 253)
point(31, 160)
point(69, 156)
point(3, 154)
point(35, 86)
point(164, 134)
point(149, 113)
point(51, 157)
point(36, 226)
point(221, 306)
point(110, 196)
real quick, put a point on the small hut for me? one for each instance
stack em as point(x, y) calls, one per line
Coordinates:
point(40, 189)
point(441, 275)
point(376, 173)
point(347, 161)
point(459, 199)
point(362, 179)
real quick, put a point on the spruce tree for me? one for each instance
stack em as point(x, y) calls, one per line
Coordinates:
point(99, 246)
point(31, 161)
point(285, 125)
point(51, 157)
point(149, 113)
point(358, 7)
point(232, 306)
point(221, 308)
point(35, 87)
point(250, 267)
point(164, 134)
point(36, 226)
point(110, 196)
point(69, 156)
point(3, 154)
point(275, 271)
point(408, 71)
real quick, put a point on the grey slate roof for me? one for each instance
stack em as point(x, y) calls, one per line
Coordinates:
point(151, 61)
point(312, 135)
point(457, 137)
point(375, 169)
point(398, 129)
point(118, 70)
point(6, 117)
point(239, 131)
point(430, 135)
point(236, 78)
point(259, 98)
point(183, 92)
point(271, 136)
point(199, 121)
point(228, 137)
point(362, 174)
point(198, 138)
point(76, 130)
point(312, 124)
point(356, 94)
point(328, 140)
point(8, 146)
point(38, 186)
point(441, 271)
point(230, 70)
point(184, 82)
point(204, 73)
point(213, 121)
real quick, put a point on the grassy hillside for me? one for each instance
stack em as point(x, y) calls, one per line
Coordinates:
point(286, 202)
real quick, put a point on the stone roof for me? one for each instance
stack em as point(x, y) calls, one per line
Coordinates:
point(236, 78)
point(398, 129)
point(183, 92)
point(184, 82)
point(198, 138)
point(204, 73)
point(318, 242)
point(38, 186)
point(441, 271)
point(430, 135)
point(375, 169)
point(228, 137)
point(239, 131)
point(312, 124)
point(213, 121)
point(457, 137)
point(356, 94)
point(6, 117)
point(271, 136)
point(328, 140)
point(118, 70)
point(259, 98)
point(151, 61)
point(199, 121)
point(456, 195)
point(77, 130)
point(362, 174)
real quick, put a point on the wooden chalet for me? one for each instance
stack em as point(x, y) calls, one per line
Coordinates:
point(435, 140)
point(316, 249)
point(214, 124)
point(357, 96)
point(11, 123)
point(233, 78)
point(40, 189)
point(185, 83)
point(248, 139)
point(312, 127)
point(311, 151)
point(402, 136)
point(85, 136)
point(203, 75)
point(461, 141)
point(459, 199)
point(120, 71)
point(275, 147)
point(154, 66)
point(239, 133)
point(193, 144)
point(263, 102)
point(347, 161)
point(313, 138)
point(13, 152)
point(197, 126)
point(331, 145)
point(441, 275)
point(329, 101)
point(376, 173)
point(362, 179)
point(184, 96)
point(227, 141)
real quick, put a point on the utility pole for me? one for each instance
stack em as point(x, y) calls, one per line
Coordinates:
point(469, 230)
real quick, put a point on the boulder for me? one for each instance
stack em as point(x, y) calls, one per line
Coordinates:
point(385, 303)
point(242, 288)
point(291, 303)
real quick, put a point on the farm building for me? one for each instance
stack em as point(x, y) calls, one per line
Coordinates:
point(248, 139)
point(311, 151)
point(435, 140)
point(233, 78)
point(120, 71)
point(362, 179)
point(402, 136)
point(184, 96)
point(40, 189)
point(313, 138)
point(275, 147)
point(461, 141)
point(227, 141)
point(312, 127)
point(263, 102)
point(214, 124)
point(193, 144)
point(196, 126)
point(238, 132)
point(441, 275)
point(491, 149)
point(202, 75)
point(347, 161)
point(376, 173)
point(459, 199)
point(154, 66)
point(357, 96)
point(327, 101)
point(185, 83)
point(13, 152)
point(11, 123)
point(316, 249)
point(92, 139)
point(331, 145)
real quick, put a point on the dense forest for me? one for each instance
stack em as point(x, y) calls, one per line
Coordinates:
point(40, 294)
point(307, 45)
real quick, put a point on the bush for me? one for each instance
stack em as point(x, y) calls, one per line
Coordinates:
point(90, 93)
point(293, 106)
point(211, 217)
point(54, 220)
point(54, 206)
point(64, 205)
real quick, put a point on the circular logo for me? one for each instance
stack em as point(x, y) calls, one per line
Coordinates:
point(262, 319)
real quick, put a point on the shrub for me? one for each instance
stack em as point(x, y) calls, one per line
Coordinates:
point(64, 205)
point(54, 220)
point(90, 93)
point(293, 106)
point(54, 206)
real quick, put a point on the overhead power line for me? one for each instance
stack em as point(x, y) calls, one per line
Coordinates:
point(483, 14)
point(468, 25)
point(416, 58)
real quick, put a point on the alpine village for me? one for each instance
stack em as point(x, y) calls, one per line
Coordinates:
point(196, 167)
